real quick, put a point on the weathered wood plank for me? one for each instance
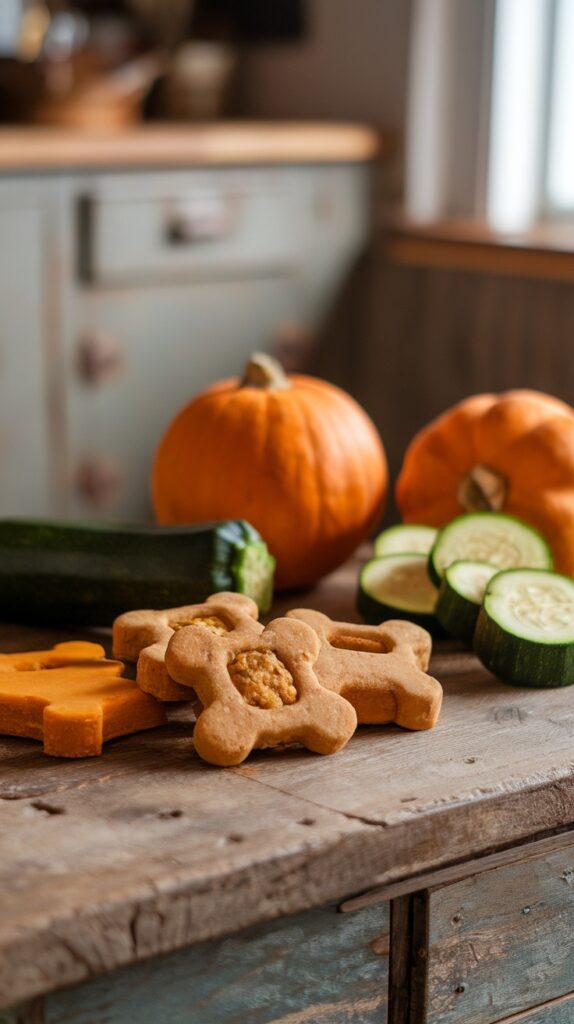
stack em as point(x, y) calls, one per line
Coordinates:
point(400, 959)
point(318, 967)
point(407, 962)
point(143, 857)
point(502, 941)
point(456, 872)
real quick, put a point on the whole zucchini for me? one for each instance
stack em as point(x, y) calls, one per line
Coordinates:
point(88, 573)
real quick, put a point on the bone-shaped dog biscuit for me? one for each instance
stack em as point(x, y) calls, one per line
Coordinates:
point(71, 698)
point(258, 691)
point(143, 636)
point(380, 670)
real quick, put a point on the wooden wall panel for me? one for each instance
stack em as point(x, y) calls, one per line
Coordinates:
point(409, 342)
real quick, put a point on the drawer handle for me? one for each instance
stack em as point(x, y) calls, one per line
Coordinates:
point(205, 218)
point(293, 345)
point(99, 480)
point(99, 358)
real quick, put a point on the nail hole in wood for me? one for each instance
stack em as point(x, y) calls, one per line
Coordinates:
point(306, 821)
point(47, 809)
point(170, 814)
point(235, 837)
point(460, 988)
point(470, 760)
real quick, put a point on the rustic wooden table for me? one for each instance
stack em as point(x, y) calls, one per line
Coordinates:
point(144, 886)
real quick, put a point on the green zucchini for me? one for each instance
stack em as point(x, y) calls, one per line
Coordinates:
point(525, 629)
point(405, 539)
point(500, 540)
point(88, 573)
point(397, 587)
point(460, 597)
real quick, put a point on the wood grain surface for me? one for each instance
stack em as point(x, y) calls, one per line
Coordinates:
point(37, 149)
point(558, 1011)
point(501, 941)
point(145, 850)
point(312, 968)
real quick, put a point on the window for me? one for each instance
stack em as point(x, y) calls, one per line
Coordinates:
point(491, 83)
point(560, 166)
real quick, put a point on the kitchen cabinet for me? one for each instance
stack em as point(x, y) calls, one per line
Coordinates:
point(126, 291)
point(165, 343)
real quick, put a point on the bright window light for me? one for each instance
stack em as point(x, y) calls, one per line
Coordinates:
point(560, 181)
point(516, 136)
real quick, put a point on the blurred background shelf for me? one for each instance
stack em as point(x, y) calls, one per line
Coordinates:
point(157, 145)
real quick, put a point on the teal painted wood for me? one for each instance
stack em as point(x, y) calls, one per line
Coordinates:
point(176, 317)
point(561, 1012)
point(319, 967)
point(251, 223)
point(502, 942)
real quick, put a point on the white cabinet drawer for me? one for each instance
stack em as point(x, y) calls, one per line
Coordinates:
point(198, 231)
point(159, 347)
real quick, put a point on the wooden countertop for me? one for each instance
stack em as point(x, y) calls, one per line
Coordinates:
point(49, 149)
point(110, 860)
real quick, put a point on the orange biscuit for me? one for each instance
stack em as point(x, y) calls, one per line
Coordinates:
point(380, 670)
point(258, 691)
point(143, 636)
point(68, 653)
point(71, 698)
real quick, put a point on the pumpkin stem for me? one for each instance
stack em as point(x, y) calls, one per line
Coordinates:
point(482, 490)
point(263, 371)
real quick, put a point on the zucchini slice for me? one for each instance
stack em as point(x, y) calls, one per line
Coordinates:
point(397, 587)
point(460, 597)
point(405, 539)
point(88, 573)
point(525, 629)
point(491, 537)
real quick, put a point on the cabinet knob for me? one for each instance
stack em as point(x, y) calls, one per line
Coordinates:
point(99, 480)
point(99, 357)
point(205, 217)
point(293, 345)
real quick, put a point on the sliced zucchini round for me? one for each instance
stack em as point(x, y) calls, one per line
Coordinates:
point(407, 539)
point(460, 597)
point(500, 540)
point(525, 629)
point(397, 587)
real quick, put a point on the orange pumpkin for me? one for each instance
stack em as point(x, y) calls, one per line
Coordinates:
point(512, 452)
point(295, 456)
